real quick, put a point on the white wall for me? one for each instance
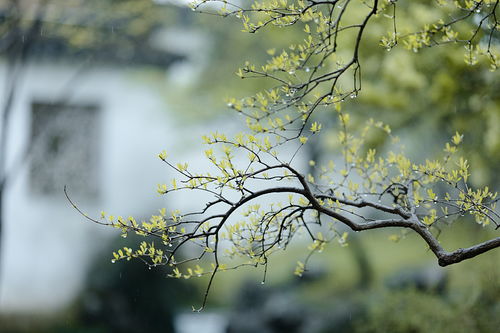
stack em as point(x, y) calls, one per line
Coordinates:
point(47, 245)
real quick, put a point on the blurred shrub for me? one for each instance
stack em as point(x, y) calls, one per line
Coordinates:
point(411, 310)
point(126, 297)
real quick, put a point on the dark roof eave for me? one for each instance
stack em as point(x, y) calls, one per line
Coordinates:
point(114, 54)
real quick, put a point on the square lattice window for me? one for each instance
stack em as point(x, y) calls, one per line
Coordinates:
point(64, 148)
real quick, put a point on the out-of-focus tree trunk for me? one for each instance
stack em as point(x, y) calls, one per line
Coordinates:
point(15, 46)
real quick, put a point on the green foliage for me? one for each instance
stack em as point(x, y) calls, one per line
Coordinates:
point(80, 29)
point(260, 199)
point(430, 94)
point(458, 310)
point(413, 311)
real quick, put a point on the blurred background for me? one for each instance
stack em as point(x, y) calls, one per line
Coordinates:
point(91, 91)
